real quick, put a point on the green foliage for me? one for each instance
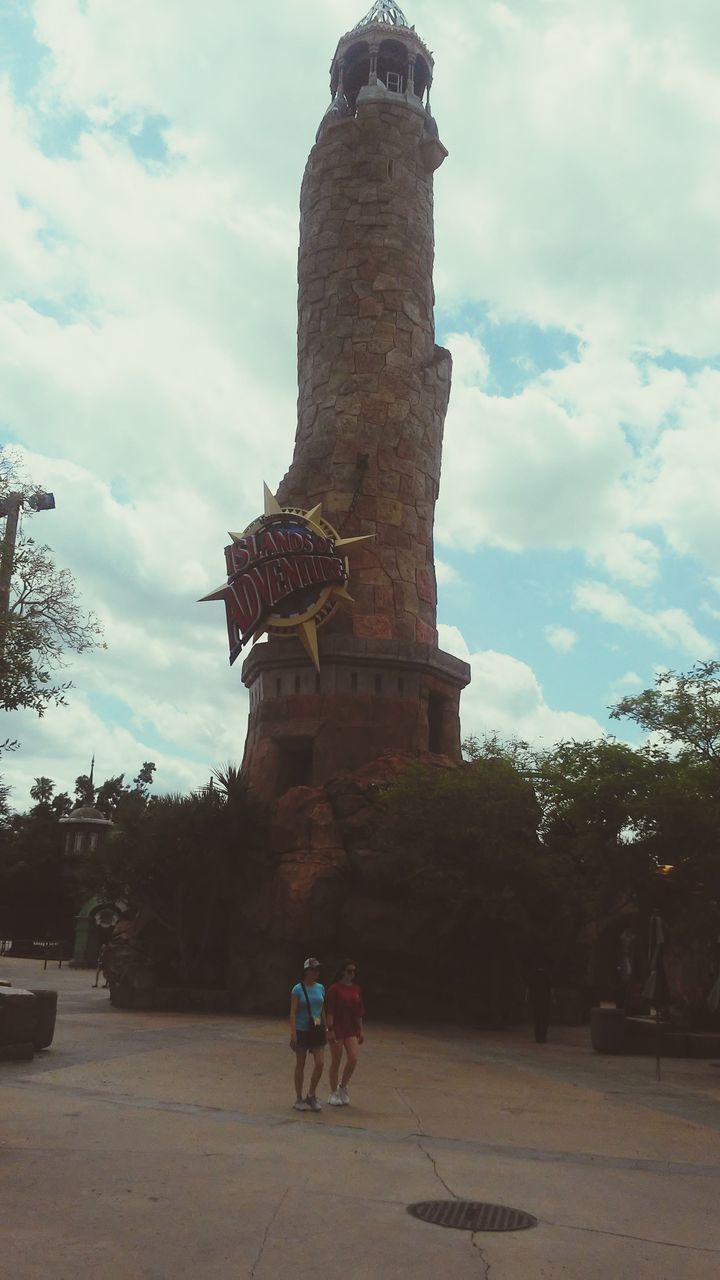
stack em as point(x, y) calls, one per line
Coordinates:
point(184, 864)
point(595, 817)
point(25, 680)
point(42, 790)
point(463, 842)
point(529, 848)
point(46, 619)
point(47, 600)
point(683, 710)
point(35, 898)
point(84, 789)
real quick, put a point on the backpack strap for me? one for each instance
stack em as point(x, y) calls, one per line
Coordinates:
point(307, 1001)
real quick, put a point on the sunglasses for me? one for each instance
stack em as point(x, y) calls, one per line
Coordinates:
point(351, 969)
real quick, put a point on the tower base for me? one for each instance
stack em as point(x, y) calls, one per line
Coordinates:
point(370, 696)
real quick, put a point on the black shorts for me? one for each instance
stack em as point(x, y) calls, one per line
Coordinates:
point(306, 1042)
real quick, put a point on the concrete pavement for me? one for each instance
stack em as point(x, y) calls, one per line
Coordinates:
point(158, 1145)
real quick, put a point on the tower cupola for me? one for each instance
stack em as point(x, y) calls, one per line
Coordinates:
point(382, 55)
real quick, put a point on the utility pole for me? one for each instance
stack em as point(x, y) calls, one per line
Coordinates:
point(10, 507)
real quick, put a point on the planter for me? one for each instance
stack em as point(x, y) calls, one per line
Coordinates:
point(17, 1052)
point(18, 1016)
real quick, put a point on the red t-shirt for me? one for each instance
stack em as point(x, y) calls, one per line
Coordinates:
point(344, 1003)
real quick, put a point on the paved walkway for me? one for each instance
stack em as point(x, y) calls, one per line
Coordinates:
point(160, 1147)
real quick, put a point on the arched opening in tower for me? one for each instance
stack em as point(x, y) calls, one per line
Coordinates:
point(422, 77)
point(393, 66)
point(357, 73)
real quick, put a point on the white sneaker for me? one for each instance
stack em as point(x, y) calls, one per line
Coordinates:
point(344, 1096)
point(335, 1100)
point(312, 1104)
point(302, 1105)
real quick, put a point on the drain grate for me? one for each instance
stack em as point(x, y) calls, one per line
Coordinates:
point(472, 1215)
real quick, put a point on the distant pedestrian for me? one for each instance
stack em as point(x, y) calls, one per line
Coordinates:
point(345, 1013)
point(308, 1033)
point(539, 999)
point(101, 965)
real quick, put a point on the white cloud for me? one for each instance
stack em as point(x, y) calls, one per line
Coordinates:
point(525, 472)
point(626, 684)
point(505, 697)
point(605, 220)
point(561, 639)
point(630, 558)
point(446, 574)
point(453, 641)
point(471, 363)
point(672, 627)
point(631, 680)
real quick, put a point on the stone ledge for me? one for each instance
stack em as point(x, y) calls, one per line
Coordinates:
point(340, 650)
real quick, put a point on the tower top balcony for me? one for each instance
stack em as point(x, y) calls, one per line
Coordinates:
point(382, 55)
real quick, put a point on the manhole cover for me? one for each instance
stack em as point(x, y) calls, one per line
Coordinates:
point(472, 1215)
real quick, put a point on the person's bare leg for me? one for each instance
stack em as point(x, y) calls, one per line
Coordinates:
point(336, 1052)
point(352, 1053)
point(300, 1057)
point(318, 1067)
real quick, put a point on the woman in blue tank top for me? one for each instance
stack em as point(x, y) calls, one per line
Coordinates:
point(308, 1033)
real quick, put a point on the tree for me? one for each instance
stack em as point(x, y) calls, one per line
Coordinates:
point(594, 798)
point(144, 779)
point(682, 709)
point(42, 791)
point(25, 682)
point(45, 620)
point(461, 857)
point(47, 599)
point(35, 896)
point(84, 789)
point(120, 802)
point(180, 863)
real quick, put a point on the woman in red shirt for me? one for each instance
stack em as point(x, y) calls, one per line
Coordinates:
point(344, 1014)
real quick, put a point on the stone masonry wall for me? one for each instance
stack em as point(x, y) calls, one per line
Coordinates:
point(374, 387)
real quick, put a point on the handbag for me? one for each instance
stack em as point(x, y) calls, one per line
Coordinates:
point(316, 1032)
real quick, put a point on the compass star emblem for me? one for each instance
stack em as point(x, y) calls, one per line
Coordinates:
point(288, 572)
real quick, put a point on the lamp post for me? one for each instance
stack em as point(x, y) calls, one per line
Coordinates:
point(10, 508)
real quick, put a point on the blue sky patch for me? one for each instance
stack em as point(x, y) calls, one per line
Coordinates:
point(518, 351)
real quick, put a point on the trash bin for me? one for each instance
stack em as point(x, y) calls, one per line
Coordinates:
point(607, 1030)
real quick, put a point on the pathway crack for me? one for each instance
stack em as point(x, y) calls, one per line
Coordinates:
point(268, 1229)
point(481, 1252)
point(625, 1235)
point(411, 1109)
point(437, 1172)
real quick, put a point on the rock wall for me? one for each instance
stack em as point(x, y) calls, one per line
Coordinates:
point(326, 897)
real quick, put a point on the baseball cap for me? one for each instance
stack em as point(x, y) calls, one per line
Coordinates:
point(311, 963)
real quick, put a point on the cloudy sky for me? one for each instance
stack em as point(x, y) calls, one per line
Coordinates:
point(152, 153)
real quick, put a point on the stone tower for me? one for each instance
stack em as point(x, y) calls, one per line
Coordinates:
point(373, 393)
